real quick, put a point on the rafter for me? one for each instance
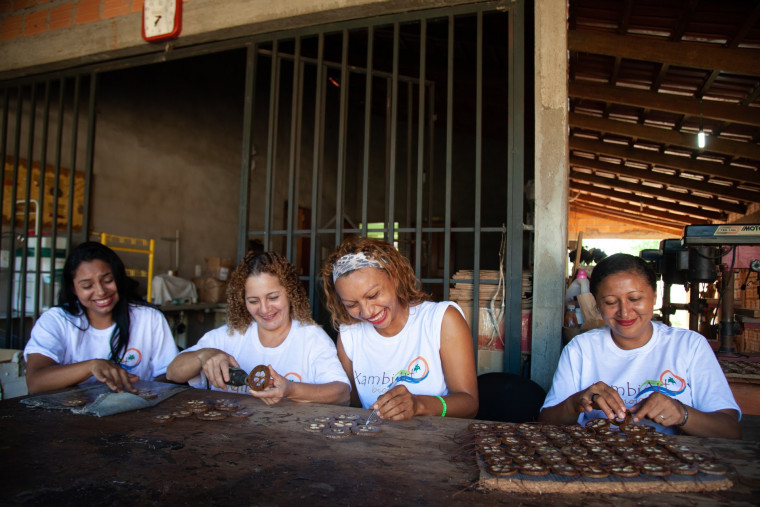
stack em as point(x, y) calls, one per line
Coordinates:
point(669, 137)
point(703, 167)
point(638, 199)
point(666, 179)
point(638, 188)
point(686, 54)
point(638, 210)
point(641, 221)
point(667, 102)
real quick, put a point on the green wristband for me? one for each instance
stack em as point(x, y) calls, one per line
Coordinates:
point(443, 402)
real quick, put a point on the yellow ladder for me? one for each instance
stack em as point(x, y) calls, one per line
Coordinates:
point(134, 245)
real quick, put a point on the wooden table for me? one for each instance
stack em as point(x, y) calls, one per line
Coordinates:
point(57, 457)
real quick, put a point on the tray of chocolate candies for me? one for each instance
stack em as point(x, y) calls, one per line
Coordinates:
point(606, 452)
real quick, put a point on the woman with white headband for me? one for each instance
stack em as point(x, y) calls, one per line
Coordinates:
point(405, 355)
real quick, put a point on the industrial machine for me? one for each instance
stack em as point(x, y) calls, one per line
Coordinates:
point(728, 247)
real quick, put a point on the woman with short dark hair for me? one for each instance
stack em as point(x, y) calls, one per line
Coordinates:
point(665, 377)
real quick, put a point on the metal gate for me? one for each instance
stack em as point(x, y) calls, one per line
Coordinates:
point(46, 135)
point(407, 127)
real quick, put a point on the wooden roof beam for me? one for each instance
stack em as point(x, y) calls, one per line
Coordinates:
point(685, 54)
point(656, 225)
point(666, 179)
point(667, 102)
point(695, 166)
point(637, 199)
point(638, 188)
point(636, 210)
point(665, 136)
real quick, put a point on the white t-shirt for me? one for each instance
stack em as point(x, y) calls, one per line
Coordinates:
point(676, 362)
point(306, 355)
point(413, 356)
point(68, 339)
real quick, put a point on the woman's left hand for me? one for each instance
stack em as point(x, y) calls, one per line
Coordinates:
point(278, 388)
point(397, 404)
point(660, 408)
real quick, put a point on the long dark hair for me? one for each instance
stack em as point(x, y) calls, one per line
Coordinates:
point(125, 286)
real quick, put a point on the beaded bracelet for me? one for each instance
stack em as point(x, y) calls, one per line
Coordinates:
point(443, 402)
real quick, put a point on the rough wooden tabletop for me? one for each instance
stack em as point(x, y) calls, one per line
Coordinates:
point(57, 457)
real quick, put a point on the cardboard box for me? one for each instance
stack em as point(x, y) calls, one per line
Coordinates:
point(12, 374)
point(211, 290)
point(219, 268)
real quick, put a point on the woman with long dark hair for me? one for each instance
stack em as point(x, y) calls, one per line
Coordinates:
point(100, 331)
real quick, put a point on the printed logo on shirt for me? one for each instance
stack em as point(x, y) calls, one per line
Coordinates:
point(669, 383)
point(131, 359)
point(293, 376)
point(416, 372)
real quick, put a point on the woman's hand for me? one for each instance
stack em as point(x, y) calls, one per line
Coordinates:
point(602, 397)
point(215, 364)
point(397, 404)
point(660, 408)
point(117, 378)
point(279, 387)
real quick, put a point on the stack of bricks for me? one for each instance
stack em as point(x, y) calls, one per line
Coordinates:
point(748, 298)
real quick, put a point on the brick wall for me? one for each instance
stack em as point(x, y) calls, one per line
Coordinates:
point(24, 18)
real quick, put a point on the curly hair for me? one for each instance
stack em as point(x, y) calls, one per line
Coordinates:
point(273, 263)
point(395, 265)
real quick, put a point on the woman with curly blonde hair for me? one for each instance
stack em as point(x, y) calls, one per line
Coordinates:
point(268, 322)
point(405, 355)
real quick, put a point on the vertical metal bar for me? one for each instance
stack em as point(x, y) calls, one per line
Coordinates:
point(246, 157)
point(90, 147)
point(388, 134)
point(367, 125)
point(342, 126)
point(449, 149)
point(389, 235)
point(294, 108)
point(478, 182)
point(14, 184)
point(57, 170)
point(515, 179)
point(271, 144)
point(3, 154)
point(41, 205)
point(297, 176)
point(72, 168)
point(315, 172)
point(409, 147)
point(24, 271)
point(420, 151)
point(431, 167)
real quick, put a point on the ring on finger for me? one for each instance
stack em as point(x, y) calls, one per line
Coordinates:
point(593, 397)
point(662, 416)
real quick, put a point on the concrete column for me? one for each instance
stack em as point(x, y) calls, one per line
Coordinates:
point(551, 166)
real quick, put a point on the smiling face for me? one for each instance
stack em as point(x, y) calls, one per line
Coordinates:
point(95, 288)
point(626, 302)
point(267, 302)
point(369, 295)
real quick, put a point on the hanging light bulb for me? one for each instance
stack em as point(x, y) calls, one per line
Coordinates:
point(701, 135)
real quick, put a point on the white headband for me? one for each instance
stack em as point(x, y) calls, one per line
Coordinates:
point(352, 262)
